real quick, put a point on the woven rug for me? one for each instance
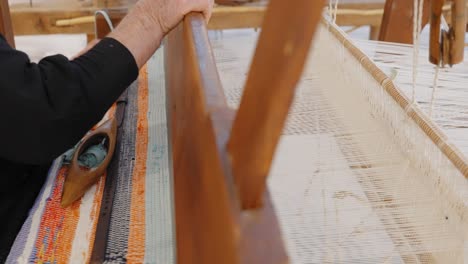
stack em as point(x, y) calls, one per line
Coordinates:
point(127, 215)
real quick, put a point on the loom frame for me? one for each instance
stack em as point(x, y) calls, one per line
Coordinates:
point(223, 210)
point(6, 28)
point(189, 45)
point(424, 122)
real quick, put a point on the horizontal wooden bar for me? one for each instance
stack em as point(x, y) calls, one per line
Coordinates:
point(43, 20)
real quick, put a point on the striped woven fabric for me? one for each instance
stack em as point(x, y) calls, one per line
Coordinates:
point(138, 228)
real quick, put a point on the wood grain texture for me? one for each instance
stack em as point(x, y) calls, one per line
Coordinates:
point(207, 229)
point(446, 47)
point(276, 68)
point(458, 22)
point(210, 226)
point(237, 17)
point(32, 21)
point(5, 23)
point(42, 20)
point(397, 21)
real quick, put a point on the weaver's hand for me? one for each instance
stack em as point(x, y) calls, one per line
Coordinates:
point(169, 13)
point(143, 29)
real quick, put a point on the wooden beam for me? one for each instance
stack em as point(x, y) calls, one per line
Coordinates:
point(43, 20)
point(397, 21)
point(5, 23)
point(276, 68)
point(34, 21)
point(210, 227)
point(447, 46)
point(204, 208)
point(356, 17)
point(237, 17)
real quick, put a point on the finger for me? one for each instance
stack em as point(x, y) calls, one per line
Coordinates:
point(209, 11)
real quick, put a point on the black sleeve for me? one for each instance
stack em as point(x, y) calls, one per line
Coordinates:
point(46, 108)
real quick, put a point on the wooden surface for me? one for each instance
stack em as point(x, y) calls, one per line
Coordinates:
point(397, 21)
point(449, 50)
point(204, 213)
point(458, 22)
point(5, 22)
point(237, 17)
point(361, 4)
point(209, 223)
point(275, 71)
point(41, 19)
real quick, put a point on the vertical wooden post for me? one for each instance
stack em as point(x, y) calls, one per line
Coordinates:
point(282, 50)
point(397, 21)
point(374, 32)
point(447, 46)
point(6, 28)
point(458, 23)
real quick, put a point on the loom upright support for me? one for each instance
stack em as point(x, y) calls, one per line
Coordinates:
point(268, 97)
point(397, 21)
point(6, 28)
point(447, 42)
point(218, 219)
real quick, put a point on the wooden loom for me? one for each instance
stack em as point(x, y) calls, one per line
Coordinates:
point(43, 19)
point(220, 170)
point(200, 204)
point(218, 189)
point(248, 172)
point(54, 19)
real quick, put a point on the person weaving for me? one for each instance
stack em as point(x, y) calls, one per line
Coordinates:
point(49, 106)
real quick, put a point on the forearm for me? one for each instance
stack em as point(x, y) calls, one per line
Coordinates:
point(140, 32)
point(51, 105)
point(143, 29)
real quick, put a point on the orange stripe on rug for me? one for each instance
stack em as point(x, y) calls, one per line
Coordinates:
point(57, 228)
point(136, 238)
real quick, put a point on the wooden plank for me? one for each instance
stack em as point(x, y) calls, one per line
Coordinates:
point(356, 17)
point(237, 17)
point(449, 50)
point(42, 20)
point(397, 21)
point(210, 227)
point(206, 221)
point(32, 21)
point(361, 4)
point(268, 94)
point(5, 23)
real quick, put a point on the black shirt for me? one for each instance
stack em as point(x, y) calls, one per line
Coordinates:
point(45, 109)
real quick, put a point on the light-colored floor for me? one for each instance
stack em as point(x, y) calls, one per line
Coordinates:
point(38, 47)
